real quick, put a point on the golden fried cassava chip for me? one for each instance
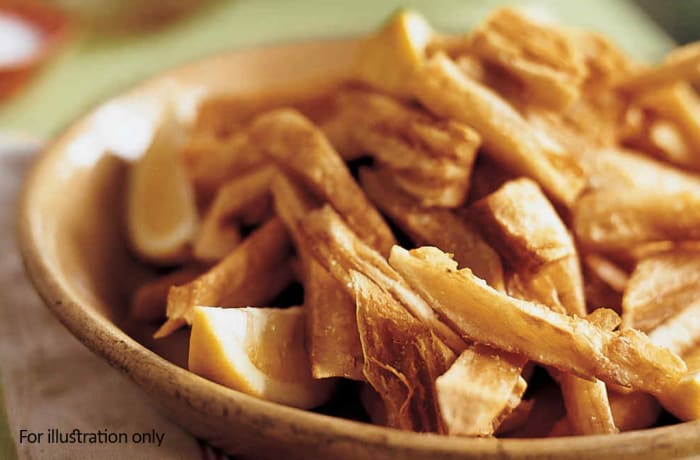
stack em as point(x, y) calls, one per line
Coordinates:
point(434, 226)
point(446, 91)
point(331, 325)
point(647, 250)
point(605, 270)
point(660, 287)
point(550, 65)
point(588, 124)
point(215, 240)
point(301, 149)
point(570, 344)
point(665, 140)
point(587, 405)
point(543, 287)
point(633, 411)
point(608, 220)
point(292, 202)
point(431, 159)
point(494, 78)
point(681, 64)
point(692, 359)
point(340, 250)
point(520, 223)
point(333, 340)
point(586, 401)
point(211, 160)
point(224, 114)
point(477, 389)
point(683, 400)
point(244, 198)
point(680, 104)
point(462, 411)
point(150, 299)
point(606, 63)
point(252, 274)
point(681, 332)
point(605, 318)
point(403, 358)
point(514, 400)
point(618, 168)
point(542, 56)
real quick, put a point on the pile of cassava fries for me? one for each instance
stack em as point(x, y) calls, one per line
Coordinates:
point(544, 192)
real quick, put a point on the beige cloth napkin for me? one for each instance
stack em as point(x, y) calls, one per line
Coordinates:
point(49, 379)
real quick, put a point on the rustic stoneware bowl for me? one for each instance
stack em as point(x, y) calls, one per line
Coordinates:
point(70, 232)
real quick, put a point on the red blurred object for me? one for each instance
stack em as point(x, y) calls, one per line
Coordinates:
point(53, 26)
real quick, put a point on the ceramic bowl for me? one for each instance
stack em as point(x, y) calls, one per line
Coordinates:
point(70, 232)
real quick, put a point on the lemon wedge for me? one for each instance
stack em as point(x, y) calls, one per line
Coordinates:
point(387, 59)
point(258, 351)
point(161, 210)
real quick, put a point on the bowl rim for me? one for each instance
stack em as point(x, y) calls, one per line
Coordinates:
point(114, 345)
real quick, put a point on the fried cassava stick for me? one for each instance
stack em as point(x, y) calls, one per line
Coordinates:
point(570, 344)
point(429, 158)
point(341, 252)
point(301, 149)
point(331, 326)
point(252, 274)
point(507, 137)
point(434, 226)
